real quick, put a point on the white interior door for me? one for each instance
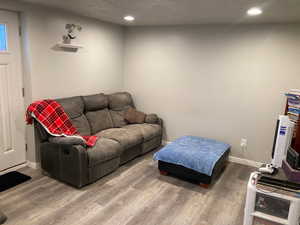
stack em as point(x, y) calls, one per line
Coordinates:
point(12, 127)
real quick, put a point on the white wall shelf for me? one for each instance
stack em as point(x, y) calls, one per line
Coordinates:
point(69, 46)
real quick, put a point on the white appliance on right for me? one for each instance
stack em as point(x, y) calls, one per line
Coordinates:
point(282, 141)
point(265, 207)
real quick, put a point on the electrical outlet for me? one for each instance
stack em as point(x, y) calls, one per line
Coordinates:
point(244, 143)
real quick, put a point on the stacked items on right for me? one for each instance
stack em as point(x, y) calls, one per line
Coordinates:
point(293, 111)
point(291, 166)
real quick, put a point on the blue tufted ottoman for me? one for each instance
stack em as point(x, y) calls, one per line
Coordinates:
point(193, 158)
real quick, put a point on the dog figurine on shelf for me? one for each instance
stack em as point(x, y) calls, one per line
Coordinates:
point(72, 29)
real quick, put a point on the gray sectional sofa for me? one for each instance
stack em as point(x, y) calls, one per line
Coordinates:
point(101, 115)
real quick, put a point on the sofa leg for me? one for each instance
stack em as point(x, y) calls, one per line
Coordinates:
point(3, 218)
point(206, 186)
point(164, 173)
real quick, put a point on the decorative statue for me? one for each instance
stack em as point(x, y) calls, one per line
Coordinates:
point(72, 29)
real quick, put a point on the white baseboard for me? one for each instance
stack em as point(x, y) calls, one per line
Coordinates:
point(13, 168)
point(246, 162)
point(233, 159)
point(33, 165)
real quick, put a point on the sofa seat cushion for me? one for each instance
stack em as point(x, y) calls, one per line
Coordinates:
point(105, 149)
point(148, 131)
point(127, 138)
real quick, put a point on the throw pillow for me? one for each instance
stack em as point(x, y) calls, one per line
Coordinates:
point(134, 116)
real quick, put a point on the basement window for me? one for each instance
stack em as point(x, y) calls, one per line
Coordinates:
point(3, 38)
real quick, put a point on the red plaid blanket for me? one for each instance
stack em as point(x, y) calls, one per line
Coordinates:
point(55, 120)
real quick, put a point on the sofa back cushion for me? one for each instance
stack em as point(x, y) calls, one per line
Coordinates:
point(99, 120)
point(97, 113)
point(120, 101)
point(118, 104)
point(74, 107)
point(118, 118)
point(82, 125)
point(95, 102)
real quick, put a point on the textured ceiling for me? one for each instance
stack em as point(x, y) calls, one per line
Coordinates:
point(169, 12)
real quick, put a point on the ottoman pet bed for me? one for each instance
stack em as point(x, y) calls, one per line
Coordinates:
point(193, 158)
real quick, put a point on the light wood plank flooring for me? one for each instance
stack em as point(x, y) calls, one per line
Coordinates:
point(135, 194)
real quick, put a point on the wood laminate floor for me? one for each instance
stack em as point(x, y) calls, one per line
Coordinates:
point(135, 194)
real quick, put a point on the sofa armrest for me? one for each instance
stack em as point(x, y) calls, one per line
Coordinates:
point(160, 122)
point(3, 218)
point(67, 140)
point(153, 119)
point(65, 162)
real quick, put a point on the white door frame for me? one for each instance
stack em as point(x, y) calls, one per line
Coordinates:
point(12, 128)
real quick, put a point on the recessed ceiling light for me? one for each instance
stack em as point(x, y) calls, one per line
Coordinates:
point(129, 18)
point(255, 11)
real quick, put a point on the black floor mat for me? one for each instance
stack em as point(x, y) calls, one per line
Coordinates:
point(12, 179)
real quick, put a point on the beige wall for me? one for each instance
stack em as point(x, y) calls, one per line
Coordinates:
point(50, 73)
point(222, 82)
